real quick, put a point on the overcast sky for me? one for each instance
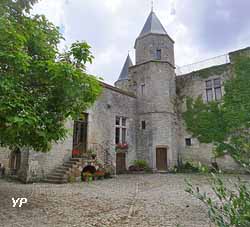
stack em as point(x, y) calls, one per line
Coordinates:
point(201, 28)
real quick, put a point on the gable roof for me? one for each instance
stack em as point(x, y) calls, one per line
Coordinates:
point(124, 72)
point(152, 25)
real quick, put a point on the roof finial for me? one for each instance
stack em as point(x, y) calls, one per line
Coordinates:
point(152, 5)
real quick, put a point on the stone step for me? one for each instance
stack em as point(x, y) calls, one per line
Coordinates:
point(51, 181)
point(72, 163)
point(53, 177)
point(57, 174)
point(69, 165)
point(60, 172)
point(64, 168)
point(76, 159)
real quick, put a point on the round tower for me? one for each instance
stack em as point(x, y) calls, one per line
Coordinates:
point(153, 77)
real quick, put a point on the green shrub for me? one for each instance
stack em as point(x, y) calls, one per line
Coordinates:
point(229, 207)
point(71, 179)
point(141, 164)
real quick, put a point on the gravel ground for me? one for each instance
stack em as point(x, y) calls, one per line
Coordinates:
point(126, 200)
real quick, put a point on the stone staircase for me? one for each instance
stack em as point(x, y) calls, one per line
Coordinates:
point(60, 175)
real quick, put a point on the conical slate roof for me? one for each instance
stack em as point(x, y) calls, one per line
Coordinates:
point(153, 25)
point(124, 72)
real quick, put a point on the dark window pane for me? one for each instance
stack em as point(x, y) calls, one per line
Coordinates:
point(117, 120)
point(123, 135)
point(123, 121)
point(209, 94)
point(158, 55)
point(81, 133)
point(142, 89)
point(218, 94)
point(143, 125)
point(217, 82)
point(188, 142)
point(209, 84)
point(117, 135)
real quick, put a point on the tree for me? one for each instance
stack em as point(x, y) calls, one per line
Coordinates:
point(39, 87)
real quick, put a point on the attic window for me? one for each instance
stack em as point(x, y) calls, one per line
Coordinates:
point(158, 54)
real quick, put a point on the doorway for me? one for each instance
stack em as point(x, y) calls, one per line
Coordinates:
point(15, 161)
point(161, 159)
point(80, 136)
point(120, 162)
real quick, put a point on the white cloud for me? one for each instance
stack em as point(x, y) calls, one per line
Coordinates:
point(111, 27)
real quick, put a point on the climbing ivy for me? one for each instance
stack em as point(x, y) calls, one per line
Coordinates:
point(215, 70)
point(225, 124)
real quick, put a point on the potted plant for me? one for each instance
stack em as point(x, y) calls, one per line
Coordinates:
point(122, 145)
point(92, 153)
point(99, 174)
point(75, 153)
point(87, 177)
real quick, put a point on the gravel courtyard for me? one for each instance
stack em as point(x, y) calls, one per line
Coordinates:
point(127, 200)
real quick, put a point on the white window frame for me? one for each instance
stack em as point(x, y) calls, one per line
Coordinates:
point(121, 128)
point(212, 88)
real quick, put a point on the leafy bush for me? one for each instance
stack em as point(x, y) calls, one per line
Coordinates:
point(187, 167)
point(141, 164)
point(71, 179)
point(231, 207)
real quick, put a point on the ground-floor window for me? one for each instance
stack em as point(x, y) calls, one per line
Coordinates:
point(120, 130)
point(188, 142)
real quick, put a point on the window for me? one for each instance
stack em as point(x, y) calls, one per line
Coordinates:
point(217, 89)
point(143, 125)
point(142, 89)
point(158, 54)
point(120, 130)
point(213, 90)
point(188, 142)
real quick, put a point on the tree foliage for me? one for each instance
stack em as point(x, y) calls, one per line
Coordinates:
point(39, 87)
point(226, 124)
point(231, 204)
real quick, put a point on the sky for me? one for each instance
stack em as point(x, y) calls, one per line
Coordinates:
point(201, 29)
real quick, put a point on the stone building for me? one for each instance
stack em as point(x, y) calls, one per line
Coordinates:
point(140, 117)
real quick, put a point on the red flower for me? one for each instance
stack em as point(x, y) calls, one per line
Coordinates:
point(122, 145)
point(75, 152)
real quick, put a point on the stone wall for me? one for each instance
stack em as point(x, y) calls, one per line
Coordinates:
point(193, 85)
point(101, 123)
point(35, 166)
point(123, 84)
point(5, 159)
point(147, 45)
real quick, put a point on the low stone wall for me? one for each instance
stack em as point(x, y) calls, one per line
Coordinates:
point(5, 159)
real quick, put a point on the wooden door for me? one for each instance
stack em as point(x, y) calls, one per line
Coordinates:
point(161, 159)
point(15, 161)
point(120, 163)
point(80, 135)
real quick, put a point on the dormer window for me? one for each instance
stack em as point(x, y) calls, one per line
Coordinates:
point(158, 54)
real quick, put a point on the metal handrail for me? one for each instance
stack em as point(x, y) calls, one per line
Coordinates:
point(216, 61)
